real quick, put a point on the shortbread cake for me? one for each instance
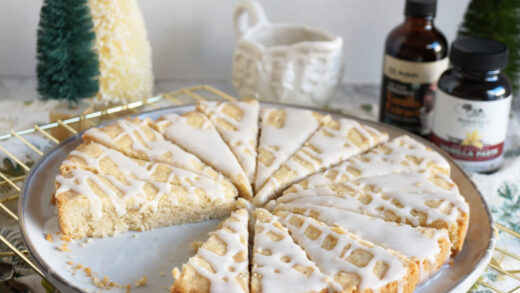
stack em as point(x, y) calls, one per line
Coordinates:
point(237, 123)
point(103, 205)
point(283, 131)
point(402, 198)
point(278, 263)
point(221, 263)
point(196, 134)
point(135, 138)
point(429, 248)
point(354, 264)
point(401, 154)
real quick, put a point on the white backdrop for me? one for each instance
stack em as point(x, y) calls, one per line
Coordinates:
point(193, 39)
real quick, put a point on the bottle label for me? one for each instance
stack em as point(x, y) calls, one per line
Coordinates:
point(472, 132)
point(408, 93)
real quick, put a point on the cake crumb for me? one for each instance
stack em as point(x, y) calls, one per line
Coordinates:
point(48, 237)
point(196, 245)
point(66, 238)
point(70, 263)
point(141, 282)
point(88, 272)
point(64, 247)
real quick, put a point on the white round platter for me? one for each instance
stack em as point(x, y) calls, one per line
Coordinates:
point(127, 257)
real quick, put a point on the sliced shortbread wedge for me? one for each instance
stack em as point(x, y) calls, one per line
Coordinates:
point(135, 138)
point(335, 142)
point(282, 132)
point(237, 123)
point(221, 263)
point(429, 248)
point(401, 154)
point(401, 198)
point(279, 264)
point(106, 161)
point(196, 134)
point(102, 205)
point(357, 265)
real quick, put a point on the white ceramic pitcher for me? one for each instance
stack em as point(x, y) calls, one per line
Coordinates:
point(286, 63)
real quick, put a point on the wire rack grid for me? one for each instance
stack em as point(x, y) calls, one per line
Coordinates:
point(178, 97)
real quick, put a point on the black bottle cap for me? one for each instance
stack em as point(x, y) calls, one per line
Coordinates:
point(420, 7)
point(476, 54)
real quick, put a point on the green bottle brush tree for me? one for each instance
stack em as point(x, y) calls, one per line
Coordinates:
point(68, 66)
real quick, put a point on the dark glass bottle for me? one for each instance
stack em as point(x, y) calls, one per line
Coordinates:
point(473, 103)
point(415, 56)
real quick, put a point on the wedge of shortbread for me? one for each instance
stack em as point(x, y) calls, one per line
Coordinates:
point(429, 248)
point(237, 123)
point(279, 264)
point(221, 263)
point(135, 138)
point(334, 142)
point(106, 161)
point(282, 132)
point(196, 134)
point(401, 154)
point(401, 198)
point(96, 205)
point(355, 264)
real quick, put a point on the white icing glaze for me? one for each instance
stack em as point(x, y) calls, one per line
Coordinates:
point(277, 275)
point(226, 268)
point(123, 196)
point(333, 261)
point(412, 192)
point(379, 161)
point(154, 150)
point(129, 168)
point(414, 242)
point(206, 143)
point(334, 146)
point(243, 138)
point(283, 142)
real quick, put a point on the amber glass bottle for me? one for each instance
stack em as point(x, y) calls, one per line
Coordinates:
point(415, 56)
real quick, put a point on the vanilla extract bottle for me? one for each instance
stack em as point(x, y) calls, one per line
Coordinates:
point(415, 56)
point(473, 104)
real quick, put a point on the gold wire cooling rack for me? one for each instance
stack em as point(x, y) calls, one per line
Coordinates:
point(179, 97)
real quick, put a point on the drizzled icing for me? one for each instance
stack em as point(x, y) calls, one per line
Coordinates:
point(234, 233)
point(276, 272)
point(283, 138)
point(401, 194)
point(131, 194)
point(416, 243)
point(332, 261)
point(201, 138)
point(331, 144)
point(402, 154)
point(238, 127)
point(144, 147)
point(126, 168)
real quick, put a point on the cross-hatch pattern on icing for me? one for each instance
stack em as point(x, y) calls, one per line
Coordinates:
point(234, 234)
point(402, 154)
point(128, 168)
point(195, 133)
point(283, 131)
point(336, 253)
point(277, 257)
point(131, 194)
point(237, 123)
point(333, 143)
point(401, 194)
point(142, 146)
point(416, 243)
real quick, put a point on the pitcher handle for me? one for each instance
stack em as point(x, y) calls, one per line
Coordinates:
point(256, 16)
